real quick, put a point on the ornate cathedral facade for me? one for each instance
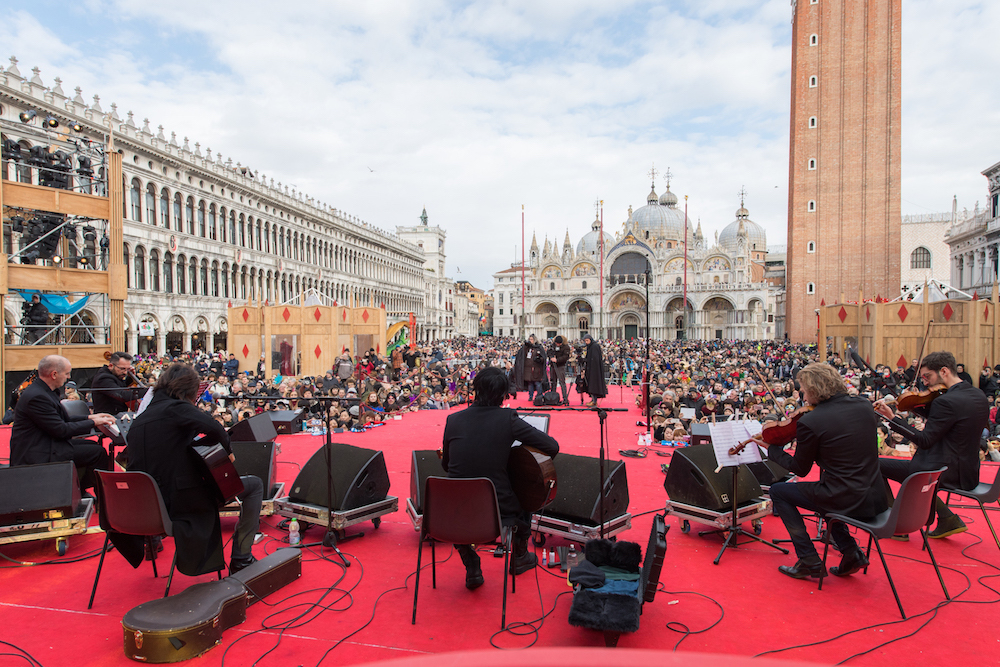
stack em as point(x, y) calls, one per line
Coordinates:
point(644, 281)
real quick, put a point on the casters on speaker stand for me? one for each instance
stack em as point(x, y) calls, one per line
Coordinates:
point(758, 526)
point(538, 539)
point(685, 526)
point(377, 521)
point(61, 546)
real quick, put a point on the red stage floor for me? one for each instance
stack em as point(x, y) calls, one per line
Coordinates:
point(741, 607)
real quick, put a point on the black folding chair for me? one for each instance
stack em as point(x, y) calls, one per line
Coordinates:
point(461, 511)
point(910, 513)
point(982, 494)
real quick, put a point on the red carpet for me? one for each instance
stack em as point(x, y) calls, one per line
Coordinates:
point(363, 614)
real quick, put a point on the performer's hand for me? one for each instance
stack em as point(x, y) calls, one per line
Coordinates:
point(232, 457)
point(101, 419)
point(883, 409)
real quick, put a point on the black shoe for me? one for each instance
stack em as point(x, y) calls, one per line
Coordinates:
point(853, 561)
point(804, 568)
point(946, 527)
point(523, 563)
point(473, 571)
point(237, 564)
point(157, 548)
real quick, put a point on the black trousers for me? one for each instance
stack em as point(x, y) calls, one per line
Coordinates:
point(899, 470)
point(89, 456)
point(787, 498)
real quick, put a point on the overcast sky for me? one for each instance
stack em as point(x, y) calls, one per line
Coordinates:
point(474, 109)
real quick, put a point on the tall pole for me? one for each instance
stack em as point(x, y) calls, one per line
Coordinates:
point(600, 308)
point(522, 271)
point(685, 305)
point(646, 370)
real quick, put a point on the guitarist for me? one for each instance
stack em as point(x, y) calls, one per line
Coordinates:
point(477, 443)
point(159, 443)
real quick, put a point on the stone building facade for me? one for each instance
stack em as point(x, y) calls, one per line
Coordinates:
point(202, 233)
point(974, 243)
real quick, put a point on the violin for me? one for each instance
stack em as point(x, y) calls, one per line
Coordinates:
point(783, 432)
point(919, 399)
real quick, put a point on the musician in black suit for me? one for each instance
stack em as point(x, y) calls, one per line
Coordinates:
point(43, 431)
point(113, 379)
point(477, 443)
point(839, 436)
point(159, 443)
point(951, 435)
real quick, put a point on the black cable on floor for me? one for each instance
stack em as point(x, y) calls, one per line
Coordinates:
point(24, 655)
point(677, 626)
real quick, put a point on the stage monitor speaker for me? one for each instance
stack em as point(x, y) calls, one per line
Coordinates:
point(692, 480)
point(40, 492)
point(286, 421)
point(257, 458)
point(578, 489)
point(258, 428)
point(425, 463)
point(358, 478)
point(768, 472)
point(701, 434)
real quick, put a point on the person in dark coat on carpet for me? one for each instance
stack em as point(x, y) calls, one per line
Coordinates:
point(838, 435)
point(477, 443)
point(159, 443)
point(593, 370)
point(529, 367)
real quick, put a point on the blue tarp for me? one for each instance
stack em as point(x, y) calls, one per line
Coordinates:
point(57, 304)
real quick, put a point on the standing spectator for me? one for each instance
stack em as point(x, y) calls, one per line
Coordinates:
point(593, 371)
point(36, 318)
point(232, 366)
point(987, 383)
point(397, 362)
point(559, 355)
point(529, 366)
point(345, 369)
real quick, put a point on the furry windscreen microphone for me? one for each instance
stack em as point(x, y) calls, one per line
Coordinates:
point(858, 361)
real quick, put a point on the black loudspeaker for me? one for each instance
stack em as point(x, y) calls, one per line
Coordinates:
point(701, 434)
point(358, 478)
point(38, 493)
point(768, 472)
point(425, 463)
point(257, 458)
point(286, 421)
point(258, 428)
point(578, 489)
point(692, 480)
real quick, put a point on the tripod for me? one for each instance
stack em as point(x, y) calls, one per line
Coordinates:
point(733, 532)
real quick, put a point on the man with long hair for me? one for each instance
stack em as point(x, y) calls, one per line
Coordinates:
point(839, 436)
point(159, 443)
point(477, 443)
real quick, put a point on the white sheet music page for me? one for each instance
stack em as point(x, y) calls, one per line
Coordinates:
point(726, 435)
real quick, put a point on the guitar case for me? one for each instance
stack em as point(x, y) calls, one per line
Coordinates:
point(186, 625)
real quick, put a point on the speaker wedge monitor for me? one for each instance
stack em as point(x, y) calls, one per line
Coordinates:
point(578, 494)
point(286, 421)
point(423, 464)
point(691, 479)
point(358, 477)
point(40, 492)
point(257, 458)
point(259, 428)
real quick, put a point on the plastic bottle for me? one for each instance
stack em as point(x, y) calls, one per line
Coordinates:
point(571, 556)
point(293, 533)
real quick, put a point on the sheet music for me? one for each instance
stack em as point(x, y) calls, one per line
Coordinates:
point(687, 413)
point(728, 434)
point(144, 403)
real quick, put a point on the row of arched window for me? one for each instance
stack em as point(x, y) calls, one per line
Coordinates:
point(174, 211)
point(179, 274)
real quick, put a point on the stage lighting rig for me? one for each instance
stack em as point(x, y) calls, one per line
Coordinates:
point(27, 116)
point(50, 122)
point(86, 166)
point(12, 150)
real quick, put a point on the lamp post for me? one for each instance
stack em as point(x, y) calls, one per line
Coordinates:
point(646, 374)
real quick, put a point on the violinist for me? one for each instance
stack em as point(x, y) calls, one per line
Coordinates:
point(950, 437)
point(113, 381)
point(838, 435)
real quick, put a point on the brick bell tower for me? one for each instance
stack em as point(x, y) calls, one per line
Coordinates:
point(844, 156)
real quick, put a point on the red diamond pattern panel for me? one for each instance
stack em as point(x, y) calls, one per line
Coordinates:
point(317, 351)
point(868, 314)
point(286, 314)
point(947, 312)
point(901, 362)
point(317, 315)
point(842, 314)
point(903, 312)
point(246, 351)
point(246, 315)
point(364, 316)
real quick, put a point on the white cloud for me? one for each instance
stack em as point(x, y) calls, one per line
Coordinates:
point(474, 109)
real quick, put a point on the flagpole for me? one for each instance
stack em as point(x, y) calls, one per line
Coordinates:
point(522, 272)
point(686, 327)
point(600, 310)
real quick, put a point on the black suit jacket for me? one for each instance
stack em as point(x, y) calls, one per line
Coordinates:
point(838, 436)
point(477, 443)
point(109, 402)
point(951, 435)
point(42, 429)
point(159, 443)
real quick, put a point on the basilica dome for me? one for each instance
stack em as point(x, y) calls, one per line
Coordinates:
point(756, 237)
point(591, 240)
point(660, 217)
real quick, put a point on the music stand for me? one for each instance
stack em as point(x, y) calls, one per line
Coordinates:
point(723, 439)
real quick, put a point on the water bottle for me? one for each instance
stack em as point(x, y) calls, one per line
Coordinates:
point(293, 533)
point(572, 559)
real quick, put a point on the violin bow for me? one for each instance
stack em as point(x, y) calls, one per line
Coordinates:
point(920, 357)
point(760, 376)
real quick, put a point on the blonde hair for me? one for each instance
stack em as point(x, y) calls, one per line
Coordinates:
point(823, 381)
